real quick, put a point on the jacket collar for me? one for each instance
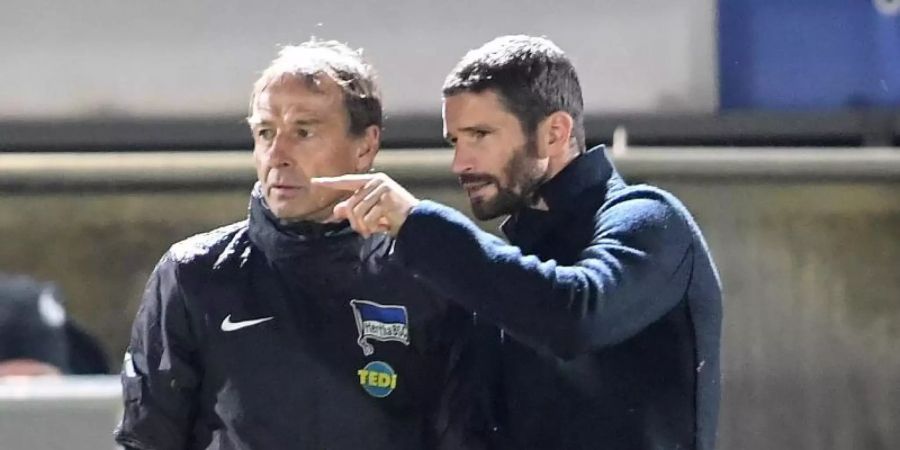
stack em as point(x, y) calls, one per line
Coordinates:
point(278, 238)
point(590, 170)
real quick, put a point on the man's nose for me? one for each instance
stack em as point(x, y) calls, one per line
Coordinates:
point(462, 160)
point(279, 153)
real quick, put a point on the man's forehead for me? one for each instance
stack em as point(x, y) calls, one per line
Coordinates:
point(296, 97)
point(298, 115)
point(467, 107)
point(486, 101)
point(291, 86)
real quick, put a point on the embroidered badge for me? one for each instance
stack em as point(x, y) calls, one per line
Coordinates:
point(379, 322)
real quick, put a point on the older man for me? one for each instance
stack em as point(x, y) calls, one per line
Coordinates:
point(290, 330)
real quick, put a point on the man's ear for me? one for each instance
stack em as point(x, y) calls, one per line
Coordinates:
point(557, 133)
point(367, 148)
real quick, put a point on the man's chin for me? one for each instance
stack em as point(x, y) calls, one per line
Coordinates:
point(284, 211)
point(295, 213)
point(484, 211)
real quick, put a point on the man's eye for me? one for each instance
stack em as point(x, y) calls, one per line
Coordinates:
point(304, 133)
point(266, 133)
point(478, 134)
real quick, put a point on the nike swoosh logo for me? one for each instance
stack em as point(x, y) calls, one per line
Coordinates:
point(228, 325)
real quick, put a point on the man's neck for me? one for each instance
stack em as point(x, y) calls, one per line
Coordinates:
point(321, 215)
point(554, 167)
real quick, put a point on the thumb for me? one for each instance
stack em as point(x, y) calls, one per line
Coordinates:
point(340, 210)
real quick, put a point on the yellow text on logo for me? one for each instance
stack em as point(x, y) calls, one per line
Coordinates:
point(377, 379)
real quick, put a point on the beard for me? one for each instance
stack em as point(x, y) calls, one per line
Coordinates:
point(523, 176)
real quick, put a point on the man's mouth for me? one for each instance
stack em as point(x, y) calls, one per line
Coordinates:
point(474, 187)
point(285, 189)
point(474, 184)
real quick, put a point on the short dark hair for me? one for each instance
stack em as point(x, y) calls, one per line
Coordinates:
point(531, 75)
point(345, 66)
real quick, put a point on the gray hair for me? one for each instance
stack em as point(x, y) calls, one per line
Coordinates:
point(311, 60)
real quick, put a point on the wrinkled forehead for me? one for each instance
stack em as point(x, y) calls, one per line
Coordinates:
point(315, 94)
point(312, 80)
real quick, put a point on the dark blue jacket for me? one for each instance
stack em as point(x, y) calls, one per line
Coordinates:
point(610, 302)
point(264, 336)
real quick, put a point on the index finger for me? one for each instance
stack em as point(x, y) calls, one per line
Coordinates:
point(350, 182)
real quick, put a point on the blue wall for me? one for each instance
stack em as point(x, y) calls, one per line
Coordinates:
point(805, 54)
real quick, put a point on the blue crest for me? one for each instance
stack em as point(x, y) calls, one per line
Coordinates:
point(379, 322)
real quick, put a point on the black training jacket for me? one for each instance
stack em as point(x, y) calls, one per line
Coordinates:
point(265, 336)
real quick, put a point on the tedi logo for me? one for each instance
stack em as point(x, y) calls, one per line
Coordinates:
point(378, 379)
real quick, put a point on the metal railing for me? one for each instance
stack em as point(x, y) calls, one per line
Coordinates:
point(227, 169)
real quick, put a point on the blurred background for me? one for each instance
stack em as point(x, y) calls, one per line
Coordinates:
point(777, 123)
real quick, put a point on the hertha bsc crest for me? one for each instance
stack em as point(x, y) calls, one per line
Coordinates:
point(379, 322)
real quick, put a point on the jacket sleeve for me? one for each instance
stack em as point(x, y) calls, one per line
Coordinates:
point(160, 374)
point(634, 270)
